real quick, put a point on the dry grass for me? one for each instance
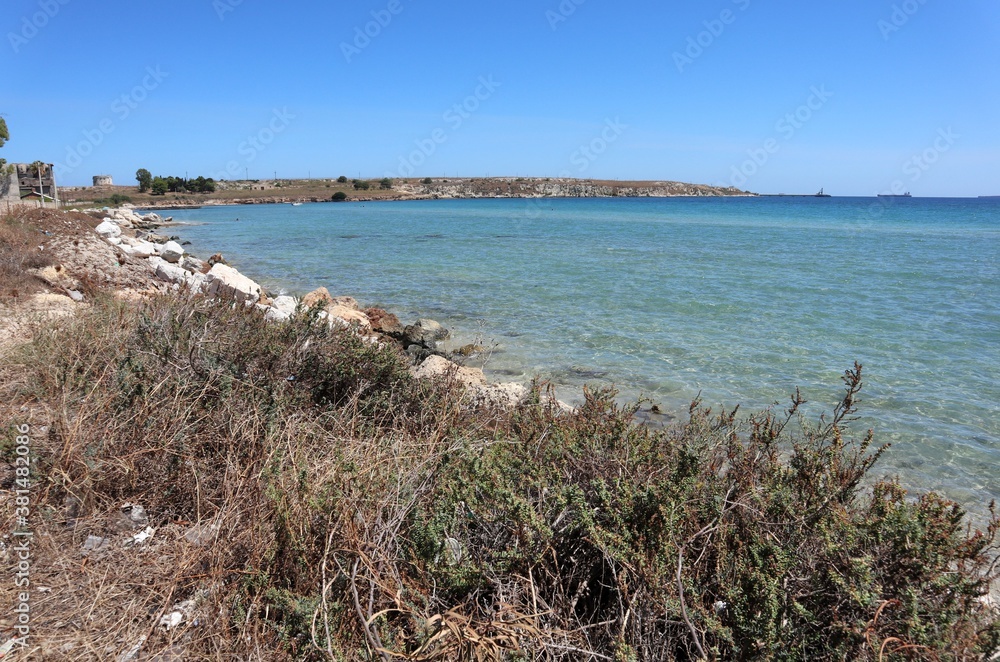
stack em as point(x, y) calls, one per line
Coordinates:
point(19, 241)
point(317, 503)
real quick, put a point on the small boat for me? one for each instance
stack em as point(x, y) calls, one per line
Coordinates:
point(894, 195)
point(821, 194)
point(296, 204)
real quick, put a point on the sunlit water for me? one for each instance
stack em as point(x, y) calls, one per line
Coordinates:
point(741, 300)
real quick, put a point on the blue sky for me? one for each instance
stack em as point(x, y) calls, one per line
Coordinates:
point(858, 96)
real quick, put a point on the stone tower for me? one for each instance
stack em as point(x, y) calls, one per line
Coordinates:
point(103, 180)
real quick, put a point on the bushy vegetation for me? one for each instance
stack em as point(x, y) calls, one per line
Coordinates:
point(361, 185)
point(339, 196)
point(19, 239)
point(113, 200)
point(359, 514)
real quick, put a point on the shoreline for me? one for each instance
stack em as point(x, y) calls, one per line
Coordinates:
point(160, 264)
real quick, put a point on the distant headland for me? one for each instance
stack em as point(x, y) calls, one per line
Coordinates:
point(264, 191)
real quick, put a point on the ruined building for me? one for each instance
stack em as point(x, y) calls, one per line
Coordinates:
point(28, 184)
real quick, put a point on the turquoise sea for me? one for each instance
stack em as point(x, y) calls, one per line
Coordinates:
point(738, 299)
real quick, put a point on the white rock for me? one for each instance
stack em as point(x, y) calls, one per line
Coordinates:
point(440, 367)
point(284, 304)
point(197, 281)
point(192, 263)
point(275, 315)
point(228, 283)
point(108, 229)
point(166, 271)
point(172, 252)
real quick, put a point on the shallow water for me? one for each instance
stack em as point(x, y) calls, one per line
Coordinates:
point(739, 299)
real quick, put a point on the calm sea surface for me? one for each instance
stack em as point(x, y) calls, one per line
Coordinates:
point(739, 299)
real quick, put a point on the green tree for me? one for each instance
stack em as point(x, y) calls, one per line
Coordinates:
point(339, 196)
point(385, 184)
point(159, 186)
point(4, 137)
point(144, 178)
point(427, 180)
point(361, 185)
point(341, 180)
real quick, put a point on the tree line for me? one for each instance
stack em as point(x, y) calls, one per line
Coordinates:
point(162, 185)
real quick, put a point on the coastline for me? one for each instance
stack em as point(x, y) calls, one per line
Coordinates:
point(126, 252)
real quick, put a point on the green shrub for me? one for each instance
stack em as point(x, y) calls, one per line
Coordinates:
point(114, 200)
point(339, 196)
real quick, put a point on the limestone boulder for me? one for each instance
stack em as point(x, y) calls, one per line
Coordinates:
point(166, 271)
point(347, 317)
point(318, 297)
point(108, 229)
point(438, 367)
point(385, 322)
point(172, 252)
point(225, 282)
point(285, 305)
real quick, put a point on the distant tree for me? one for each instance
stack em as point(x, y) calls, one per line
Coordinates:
point(144, 178)
point(339, 196)
point(4, 137)
point(340, 180)
point(361, 185)
point(159, 186)
point(385, 184)
point(427, 180)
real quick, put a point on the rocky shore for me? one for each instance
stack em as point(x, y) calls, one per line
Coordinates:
point(125, 251)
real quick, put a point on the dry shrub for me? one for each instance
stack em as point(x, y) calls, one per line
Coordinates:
point(317, 503)
point(19, 240)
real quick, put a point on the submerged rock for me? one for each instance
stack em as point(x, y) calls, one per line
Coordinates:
point(426, 333)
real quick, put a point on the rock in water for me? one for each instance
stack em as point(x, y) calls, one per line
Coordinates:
point(425, 333)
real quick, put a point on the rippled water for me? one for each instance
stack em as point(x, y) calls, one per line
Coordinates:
point(738, 299)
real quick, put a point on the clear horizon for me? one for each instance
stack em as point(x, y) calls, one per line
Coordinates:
point(858, 98)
